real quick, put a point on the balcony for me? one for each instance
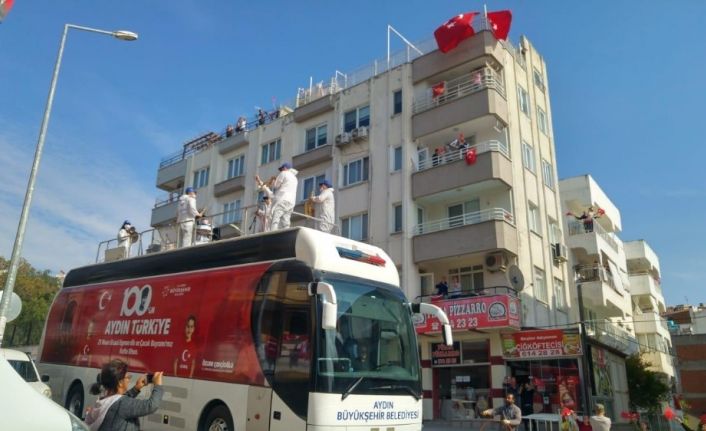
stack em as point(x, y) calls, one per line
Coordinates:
point(315, 107)
point(610, 334)
point(474, 232)
point(172, 168)
point(600, 289)
point(591, 237)
point(650, 322)
point(644, 283)
point(313, 157)
point(234, 142)
point(481, 47)
point(450, 171)
point(491, 309)
point(229, 186)
point(661, 362)
point(465, 98)
point(171, 177)
point(164, 213)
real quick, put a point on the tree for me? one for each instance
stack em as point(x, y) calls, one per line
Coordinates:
point(645, 386)
point(37, 290)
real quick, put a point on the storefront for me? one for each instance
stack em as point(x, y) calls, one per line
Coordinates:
point(461, 380)
point(544, 370)
point(609, 381)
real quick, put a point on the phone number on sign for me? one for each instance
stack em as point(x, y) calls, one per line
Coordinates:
point(463, 323)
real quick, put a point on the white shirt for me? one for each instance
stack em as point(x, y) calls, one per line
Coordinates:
point(600, 423)
point(326, 203)
point(187, 209)
point(286, 186)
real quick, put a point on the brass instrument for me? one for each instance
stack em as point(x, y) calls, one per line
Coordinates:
point(134, 235)
point(309, 205)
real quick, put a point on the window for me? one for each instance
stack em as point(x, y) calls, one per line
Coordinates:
point(538, 79)
point(316, 137)
point(355, 227)
point(397, 159)
point(554, 232)
point(397, 102)
point(397, 221)
point(356, 118)
point(542, 120)
point(548, 174)
point(231, 212)
point(533, 215)
point(311, 185)
point(559, 293)
point(465, 213)
point(523, 99)
point(201, 178)
point(528, 157)
point(271, 152)
point(470, 278)
point(236, 167)
point(356, 171)
point(540, 287)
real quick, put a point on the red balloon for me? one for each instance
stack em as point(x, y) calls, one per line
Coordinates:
point(669, 414)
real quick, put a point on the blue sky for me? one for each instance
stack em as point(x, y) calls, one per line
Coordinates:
point(626, 80)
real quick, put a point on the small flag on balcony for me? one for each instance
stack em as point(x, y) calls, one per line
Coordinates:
point(669, 414)
point(454, 31)
point(5, 6)
point(500, 23)
point(438, 89)
point(471, 156)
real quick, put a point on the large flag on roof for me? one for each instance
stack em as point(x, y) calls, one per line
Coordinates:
point(500, 23)
point(5, 6)
point(455, 30)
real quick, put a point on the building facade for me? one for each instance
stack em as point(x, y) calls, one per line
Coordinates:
point(688, 331)
point(601, 285)
point(484, 215)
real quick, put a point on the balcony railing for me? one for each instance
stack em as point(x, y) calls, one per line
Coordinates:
point(469, 293)
point(612, 335)
point(464, 85)
point(166, 198)
point(464, 219)
point(582, 228)
point(452, 153)
point(589, 273)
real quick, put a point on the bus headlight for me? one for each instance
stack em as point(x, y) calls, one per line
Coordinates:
point(47, 392)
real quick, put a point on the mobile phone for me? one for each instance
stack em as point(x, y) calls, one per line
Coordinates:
point(150, 376)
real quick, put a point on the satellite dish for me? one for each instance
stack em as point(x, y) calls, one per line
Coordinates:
point(15, 307)
point(515, 277)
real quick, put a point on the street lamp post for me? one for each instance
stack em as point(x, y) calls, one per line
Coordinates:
point(19, 237)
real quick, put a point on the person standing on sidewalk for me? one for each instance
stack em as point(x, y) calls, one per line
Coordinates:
point(599, 421)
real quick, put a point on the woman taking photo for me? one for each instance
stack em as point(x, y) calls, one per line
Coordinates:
point(117, 409)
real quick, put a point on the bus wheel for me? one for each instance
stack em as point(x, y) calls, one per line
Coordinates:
point(218, 419)
point(74, 400)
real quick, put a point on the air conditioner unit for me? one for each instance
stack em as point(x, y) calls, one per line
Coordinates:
point(559, 253)
point(343, 138)
point(360, 133)
point(496, 262)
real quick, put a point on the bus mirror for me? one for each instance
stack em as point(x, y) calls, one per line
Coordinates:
point(330, 305)
point(426, 308)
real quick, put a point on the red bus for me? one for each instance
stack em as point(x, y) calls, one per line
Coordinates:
point(289, 330)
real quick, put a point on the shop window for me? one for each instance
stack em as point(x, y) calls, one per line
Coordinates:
point(474, 352)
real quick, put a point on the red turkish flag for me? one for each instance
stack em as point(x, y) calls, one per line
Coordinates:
point(669, 414)
point(5, 6)
point(500, 23)
point(438, 89)
point(471, 156)
point(455, 30)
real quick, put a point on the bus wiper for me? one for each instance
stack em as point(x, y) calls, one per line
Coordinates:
point(351, 387)
point(405, 387)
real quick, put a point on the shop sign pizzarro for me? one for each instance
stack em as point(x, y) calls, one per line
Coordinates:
point(542, 344)
point(480, 312)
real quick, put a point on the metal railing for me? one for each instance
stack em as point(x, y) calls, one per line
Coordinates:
point(612, 335)
point(478, 80)
point(242, 220)
point(590, 273)
point(470, 293)
point(582, 228)
point(451, 154)
point(464, 220)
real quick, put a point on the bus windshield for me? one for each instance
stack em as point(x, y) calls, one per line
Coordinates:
point(373, 348)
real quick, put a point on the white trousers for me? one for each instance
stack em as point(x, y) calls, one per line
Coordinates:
point(186, 233)
point(281, 212)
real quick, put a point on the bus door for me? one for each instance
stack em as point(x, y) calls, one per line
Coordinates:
point(282, 326)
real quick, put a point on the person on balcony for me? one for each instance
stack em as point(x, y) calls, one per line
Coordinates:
point(442, 287)
point(229, 131)
point(261, 116)
point(240, 125)
point(325, 207)
point(587, 218)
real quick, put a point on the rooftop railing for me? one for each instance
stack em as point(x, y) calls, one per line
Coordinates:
point(469, 218)
point(478, 80)
point(452, 154)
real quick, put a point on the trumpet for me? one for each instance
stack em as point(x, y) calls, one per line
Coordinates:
point(134, 235)
point(309, 205)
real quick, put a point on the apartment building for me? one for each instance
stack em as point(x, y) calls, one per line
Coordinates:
point(600, 282)
point(648, 306)
point(687, 325)
point(390, 139)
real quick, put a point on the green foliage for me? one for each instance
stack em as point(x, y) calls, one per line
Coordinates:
point(36, 289)
point(645, 386)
